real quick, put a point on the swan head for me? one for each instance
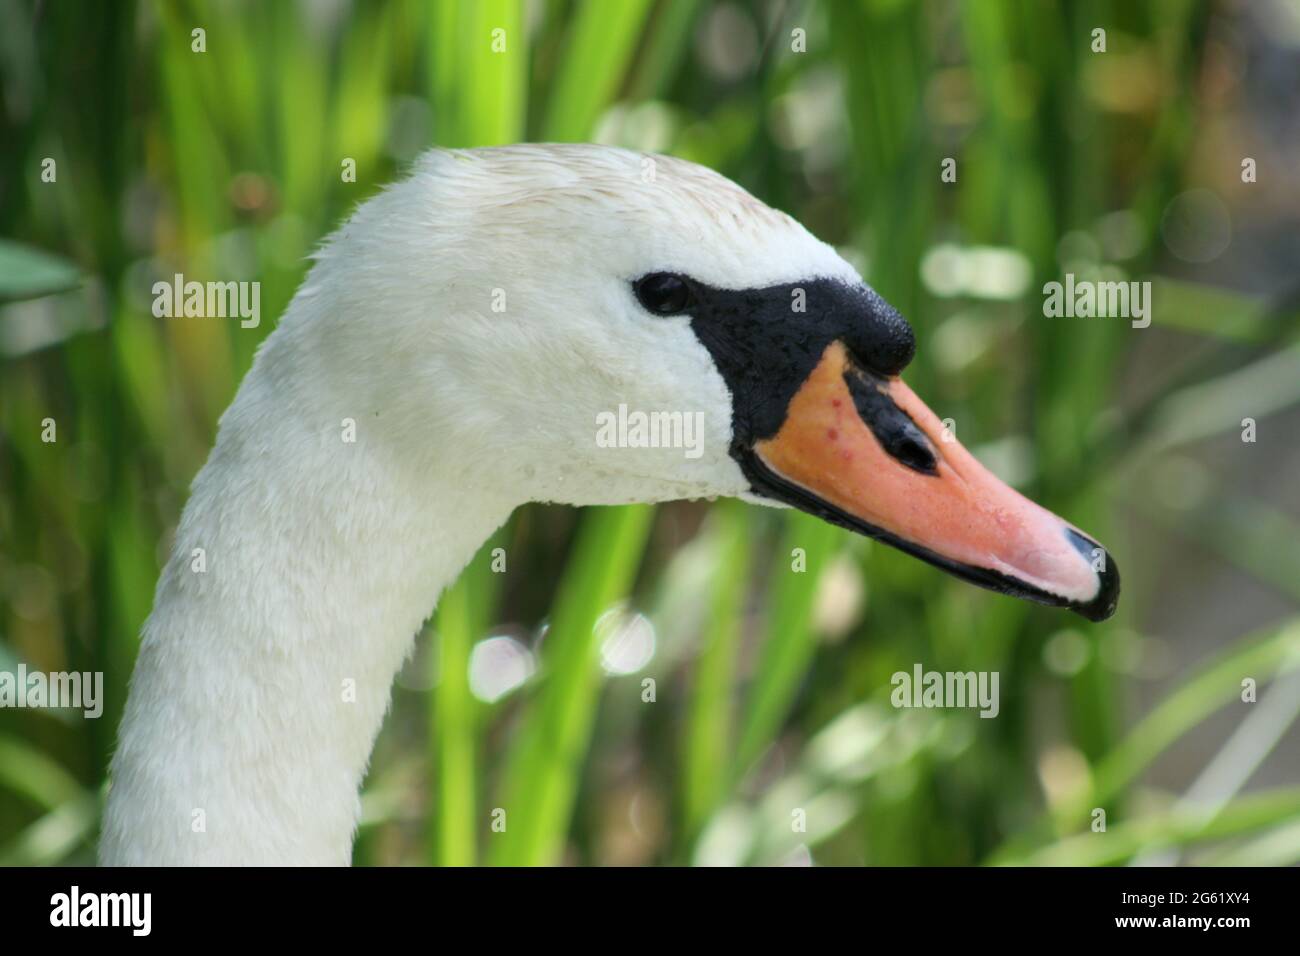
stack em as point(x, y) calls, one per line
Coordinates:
point(590, 325)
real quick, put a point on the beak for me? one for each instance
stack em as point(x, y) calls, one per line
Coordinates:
point(862, 451)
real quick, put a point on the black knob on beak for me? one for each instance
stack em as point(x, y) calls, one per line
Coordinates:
point(879, 338)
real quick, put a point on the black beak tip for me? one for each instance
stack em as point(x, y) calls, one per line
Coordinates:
point(1103, 605)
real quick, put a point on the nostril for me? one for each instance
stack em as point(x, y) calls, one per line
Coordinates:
point(914, 452)
point(898, 435)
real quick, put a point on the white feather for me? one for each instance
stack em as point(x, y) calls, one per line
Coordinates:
point(323, 557)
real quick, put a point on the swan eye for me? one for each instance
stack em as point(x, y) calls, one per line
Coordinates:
point(663, 293)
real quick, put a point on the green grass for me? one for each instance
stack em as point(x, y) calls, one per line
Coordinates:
point(542, 769)
point(175, 161)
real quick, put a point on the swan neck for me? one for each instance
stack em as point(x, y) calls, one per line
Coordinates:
point(305, 562)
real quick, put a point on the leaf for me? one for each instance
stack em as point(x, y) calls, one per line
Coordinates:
point(594, 62)
point(545, 763)
point(1203, 694)
point(25, 770)
point(789, 642)
point(1176, 828)
point(708, 744)
point(27, 273)
point(1212, 311)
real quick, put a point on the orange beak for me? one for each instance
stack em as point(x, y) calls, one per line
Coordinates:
point(861, 450)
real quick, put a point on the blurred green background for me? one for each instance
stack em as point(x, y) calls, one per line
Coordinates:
point(771, 688)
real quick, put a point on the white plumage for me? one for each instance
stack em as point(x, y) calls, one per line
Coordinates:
point(324, 557)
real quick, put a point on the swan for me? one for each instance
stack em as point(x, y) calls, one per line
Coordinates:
point(446, 359)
